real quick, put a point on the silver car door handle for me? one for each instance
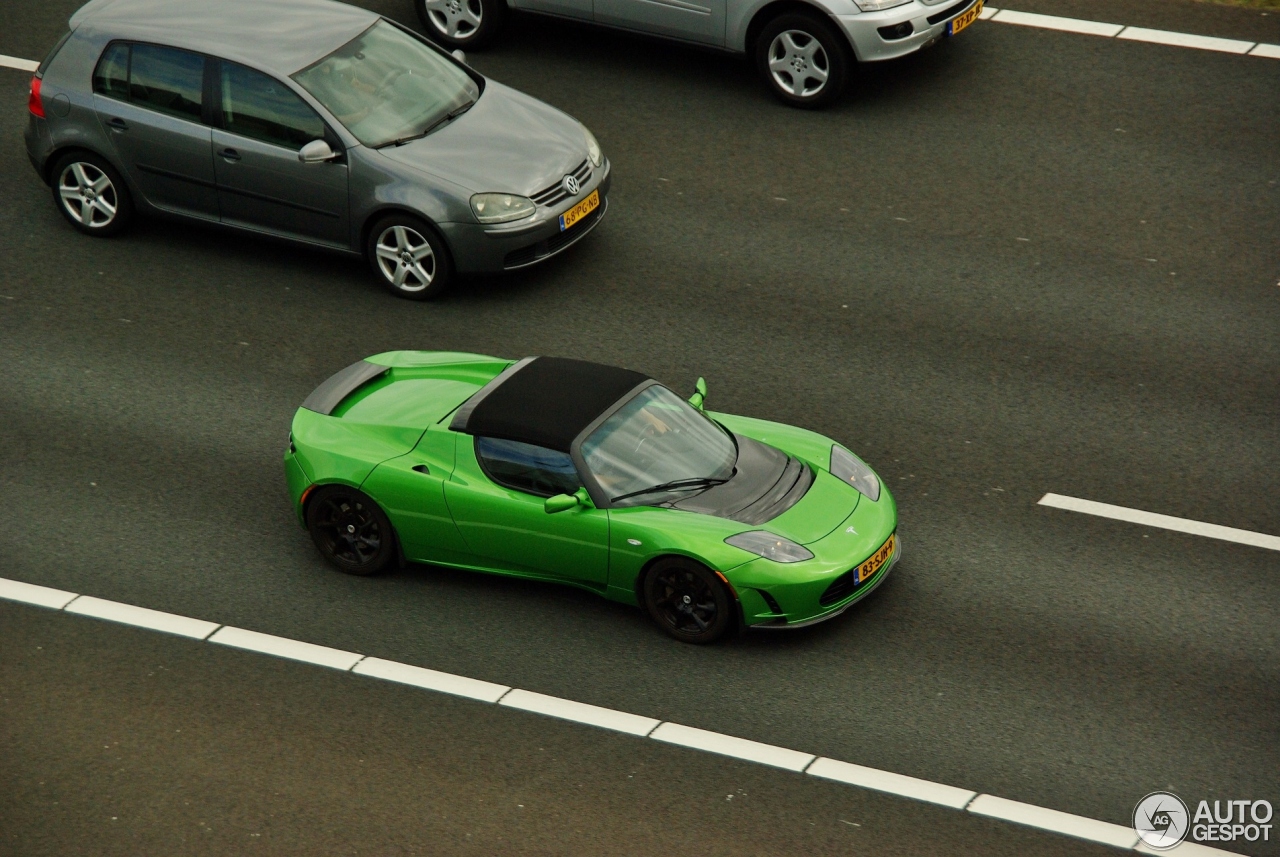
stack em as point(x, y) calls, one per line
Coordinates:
point(117, 124)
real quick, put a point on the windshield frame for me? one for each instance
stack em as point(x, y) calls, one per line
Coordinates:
point(599, 497)
point(350, 138)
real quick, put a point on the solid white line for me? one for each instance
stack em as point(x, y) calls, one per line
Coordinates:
point(580, 712)
point(458, 685)
point(987, 13)
point(1187, 849)
point(1164, 522)
point(1051, 819)
point(40, 596)
point(1185, 40)
point(283, 647)
point(19, 64)
point(1053, 22)
point(141, 617)
point(727, 745)
point(896, 784)
point(1262, 49)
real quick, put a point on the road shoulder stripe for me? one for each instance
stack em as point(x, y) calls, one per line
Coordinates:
point(1185, 40)
point(727, 745)
point(456, 685)
point(1051, 819)
point(40, 596)
point(894, 784)
point(283, 647)
point(1164, 522)
point(141, 617)
point(1053, 22)
point(580, 712)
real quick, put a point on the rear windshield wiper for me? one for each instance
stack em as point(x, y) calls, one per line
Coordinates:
point(674, 485)
point(448, 117)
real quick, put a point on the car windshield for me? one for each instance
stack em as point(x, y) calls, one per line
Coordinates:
point(657, 439)
point(385, 86)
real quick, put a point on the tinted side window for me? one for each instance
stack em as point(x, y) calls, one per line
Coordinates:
point(111, 77)
point(525, 467)
point(258, 106)
point(167, 79)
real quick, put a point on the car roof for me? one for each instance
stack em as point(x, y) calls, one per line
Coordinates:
point(280, 35)
point(546, 401)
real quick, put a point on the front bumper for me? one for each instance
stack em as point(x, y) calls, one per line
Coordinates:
point(929, 24)
point(480, 249)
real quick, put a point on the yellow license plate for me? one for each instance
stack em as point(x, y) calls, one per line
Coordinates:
point(580, 210)
point(877, 559)
point(958, 24)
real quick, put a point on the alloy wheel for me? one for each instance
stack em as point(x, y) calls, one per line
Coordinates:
point(798, 63)
point(87, 195)
point(405, 258)
point(349, 529)
point(684, 601)
point(456, 19)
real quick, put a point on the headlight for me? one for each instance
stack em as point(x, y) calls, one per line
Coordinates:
point(847, 466)
point(500, 207)
point(593, 149)
point(769, 546)
point(879, 5)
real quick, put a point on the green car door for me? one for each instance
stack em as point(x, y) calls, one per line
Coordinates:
point(496, 495)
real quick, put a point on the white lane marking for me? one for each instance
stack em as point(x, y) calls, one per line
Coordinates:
point(283, 647)
point(1164, 522)
point(727, 745)
point(580, 712)
point(19, 64)
point(1262, 49)
point(1078, 826)
point(40, 596)
point(1053, 22)
point(458, 685)
point(895, 784)
point(987, 13)
point(141, 617)
point(1185, 40)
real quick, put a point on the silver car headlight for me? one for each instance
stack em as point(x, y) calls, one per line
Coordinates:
point(847, 466)
point(593, 148)
point(770, 546)
point(501, 207)
point(879, 5)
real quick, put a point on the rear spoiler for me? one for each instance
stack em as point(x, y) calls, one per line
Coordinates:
point(325, 398)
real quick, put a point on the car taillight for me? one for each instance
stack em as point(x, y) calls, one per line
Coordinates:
point(34, 104)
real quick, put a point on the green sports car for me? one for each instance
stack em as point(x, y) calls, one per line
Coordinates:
point(564, 470)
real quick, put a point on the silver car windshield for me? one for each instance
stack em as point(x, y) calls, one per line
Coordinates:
point(658, 441)
point(385, 86)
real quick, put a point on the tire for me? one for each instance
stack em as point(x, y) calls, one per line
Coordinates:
point(805, 62)
point(687, 600)
point(90, 194)
point(466, 24)
point(409, 257)
point(350, 530)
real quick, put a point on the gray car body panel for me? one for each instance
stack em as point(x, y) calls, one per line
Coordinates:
point(507, 142)
point(730, 24)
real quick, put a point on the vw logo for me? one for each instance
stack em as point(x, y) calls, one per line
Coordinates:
point(571, 185)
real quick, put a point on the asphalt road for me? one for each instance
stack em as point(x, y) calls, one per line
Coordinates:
point(951, 271)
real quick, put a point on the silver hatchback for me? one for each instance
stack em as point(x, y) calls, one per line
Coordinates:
point(312, 121)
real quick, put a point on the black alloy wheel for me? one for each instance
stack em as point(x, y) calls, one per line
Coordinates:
point(350, 530)
point(688, 600)
point(804, 59)
point(466, 24)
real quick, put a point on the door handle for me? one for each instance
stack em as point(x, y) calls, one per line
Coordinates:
point(117, 124)
point(422, 468)
point(230, 154)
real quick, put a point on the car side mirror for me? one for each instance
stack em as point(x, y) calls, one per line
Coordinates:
point(699, 396)
point(458, 55)
point(316, 152)
point(560, 503)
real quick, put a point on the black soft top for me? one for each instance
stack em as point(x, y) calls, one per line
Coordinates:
point(546, 401)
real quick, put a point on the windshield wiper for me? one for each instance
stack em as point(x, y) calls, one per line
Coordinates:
point(674, 485)
point(448, 117)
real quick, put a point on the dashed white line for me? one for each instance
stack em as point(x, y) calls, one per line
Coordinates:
point(1262, 49)
point(727, 745)
point(580, 712)
point(1053, 22)
point(1051, 819)
point(894, 784)
point(40, 596)
point(141, 617)
point(1186, 40)
point(1164, 522)
point(19, 64)
point(671, 733)
point(456, 685)
point(283, 647)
